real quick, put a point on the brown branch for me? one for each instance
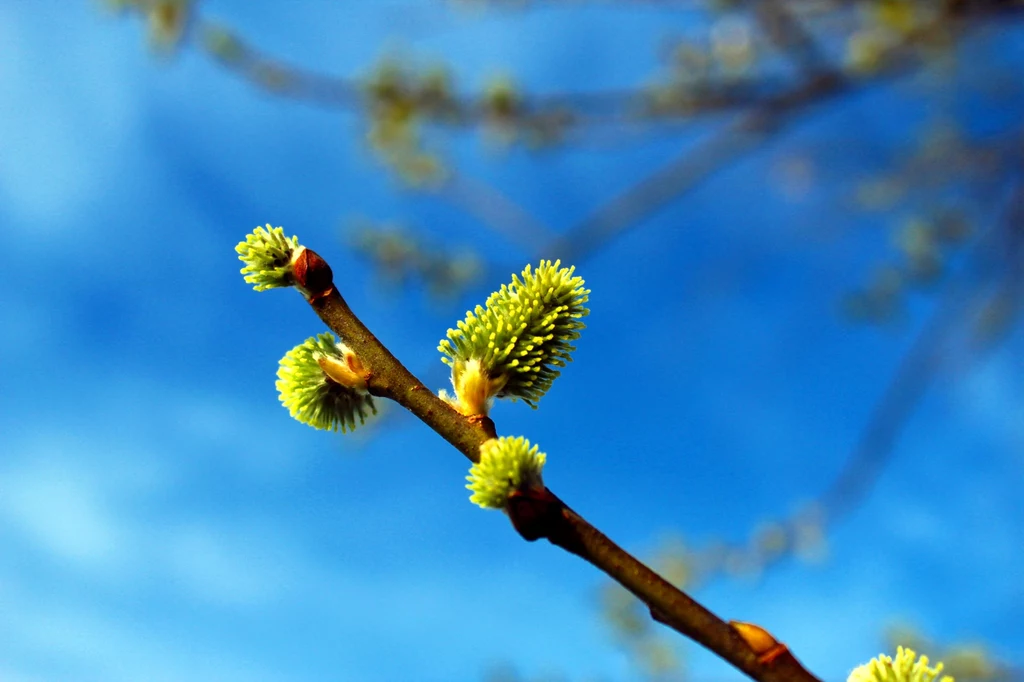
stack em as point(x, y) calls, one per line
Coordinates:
point(536, 514)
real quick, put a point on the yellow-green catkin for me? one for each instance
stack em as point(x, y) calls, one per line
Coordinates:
point(514, 344)
point(905, 667)
point(321, 384)
point(506, 465)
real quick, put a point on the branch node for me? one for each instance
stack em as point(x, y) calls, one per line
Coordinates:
point(760, 641)
point(535, 514)
point(483, 422)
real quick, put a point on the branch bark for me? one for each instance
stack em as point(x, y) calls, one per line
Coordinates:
point(541, 514)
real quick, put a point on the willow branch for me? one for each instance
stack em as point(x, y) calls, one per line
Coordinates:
point(789, 34)
point(756, 126)
point(601, 107)
point(541, 514)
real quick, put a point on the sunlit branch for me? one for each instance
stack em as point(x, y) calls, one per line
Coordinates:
point(539, 513)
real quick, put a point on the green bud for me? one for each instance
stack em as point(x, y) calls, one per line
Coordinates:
point(907, 667)
point(268, 256)
point(322, 383)
point(522, 335)
point(506, 465)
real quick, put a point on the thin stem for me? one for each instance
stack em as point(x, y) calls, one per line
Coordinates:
point(758, 124)
point(389, 378)
point(541, 514)
point(668, 604)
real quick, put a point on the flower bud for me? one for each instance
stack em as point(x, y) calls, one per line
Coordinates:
point(322, 383)
point(906, 667)
point(506, 465)
point(520, 337)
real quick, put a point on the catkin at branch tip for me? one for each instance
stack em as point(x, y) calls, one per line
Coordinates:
point(268, 256)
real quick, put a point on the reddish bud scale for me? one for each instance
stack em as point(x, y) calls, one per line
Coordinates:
point(534, 513)
point(760, 641)
point(313, 274)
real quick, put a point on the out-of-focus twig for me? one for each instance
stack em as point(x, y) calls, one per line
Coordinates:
point(915, 372)
point(494, 208)
point(628, 209)
point(790, 36)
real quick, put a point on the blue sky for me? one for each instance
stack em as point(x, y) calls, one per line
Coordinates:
point(161, 516)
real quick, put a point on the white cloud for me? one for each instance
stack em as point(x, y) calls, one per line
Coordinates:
point(991, 397)
point(62, 513)
point(72, 641)
point(105, 511)
point(229, 563)
point(68, 498)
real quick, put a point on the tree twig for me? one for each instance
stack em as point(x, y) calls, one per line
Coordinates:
point(911, 379)
point(753, 128)
point(541, 514)
point(494, 208)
